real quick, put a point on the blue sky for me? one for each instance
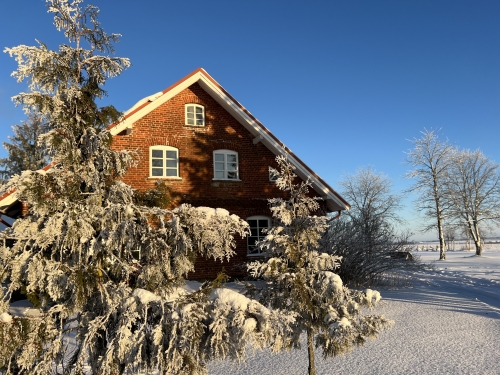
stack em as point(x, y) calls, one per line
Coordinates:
point(344, 84)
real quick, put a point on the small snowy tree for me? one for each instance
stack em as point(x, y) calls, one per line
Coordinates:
point(301, 281)
point(98, 309)
point(25, 150)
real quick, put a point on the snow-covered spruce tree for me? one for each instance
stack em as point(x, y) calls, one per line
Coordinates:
point(299, 279)
point(26, 152)
point(98, 310)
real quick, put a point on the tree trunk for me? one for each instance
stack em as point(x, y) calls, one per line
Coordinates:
point(477, 240)
point(442, 244)
point(310, 351)
point(476, 237)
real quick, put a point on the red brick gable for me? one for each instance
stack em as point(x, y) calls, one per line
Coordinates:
point(165, 125)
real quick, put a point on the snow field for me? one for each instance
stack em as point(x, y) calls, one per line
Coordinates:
point(448, 322)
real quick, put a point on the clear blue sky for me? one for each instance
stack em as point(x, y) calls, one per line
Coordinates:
point(344, 84)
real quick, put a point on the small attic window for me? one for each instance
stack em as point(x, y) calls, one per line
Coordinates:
point(273, 174)
point(195, 115)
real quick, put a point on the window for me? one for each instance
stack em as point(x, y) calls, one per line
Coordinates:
point(195, 114)
point(164, 161)
point(257, 225)
point(225, 165)
point(273, 176)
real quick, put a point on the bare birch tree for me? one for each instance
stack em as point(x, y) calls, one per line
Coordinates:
point(430, 160)
point(473, 188)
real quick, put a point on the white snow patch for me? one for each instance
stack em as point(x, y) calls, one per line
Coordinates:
point(145, 296)
point(333, 279)
point(230, 297)
point(372, 295)
point(5, 318)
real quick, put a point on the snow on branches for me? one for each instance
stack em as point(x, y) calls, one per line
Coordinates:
point(106, 276)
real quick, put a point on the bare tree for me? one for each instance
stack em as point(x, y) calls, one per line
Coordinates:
point(372, 202)
point(366, 237)
point(449, 237)
point(430, 159)
point(473, 188)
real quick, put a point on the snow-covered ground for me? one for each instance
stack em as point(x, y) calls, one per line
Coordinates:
point(448, 322)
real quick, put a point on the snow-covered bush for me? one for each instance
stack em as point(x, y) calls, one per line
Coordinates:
point(300, 280)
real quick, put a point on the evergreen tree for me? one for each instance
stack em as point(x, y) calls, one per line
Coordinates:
point(25, 151)
point(99, 310)
point(300, 281)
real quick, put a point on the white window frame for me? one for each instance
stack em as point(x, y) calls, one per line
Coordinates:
point(195, 112)
point(252, 250)
point(223, 166)
point(165, 163)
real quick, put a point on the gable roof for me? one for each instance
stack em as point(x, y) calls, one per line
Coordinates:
point(144, 106)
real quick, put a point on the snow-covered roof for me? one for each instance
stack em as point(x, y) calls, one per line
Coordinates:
point(144, 106)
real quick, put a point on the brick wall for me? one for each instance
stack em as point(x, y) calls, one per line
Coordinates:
point(248, 197)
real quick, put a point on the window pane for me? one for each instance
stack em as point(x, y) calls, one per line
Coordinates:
point(157, 162)
point(219, 157)
point(252, 240)
point(190, 115)
point(190, 110)
point(157, 153)
point(232, 175)
point(232, 166)
point(252, 223)
point(253, 231)
point(172, 172)
point(263, 223)
point(190, 121)
point(199, 110)
point(219, 174)
point(272, 176)
point(171, 154)
point(172, 164)
point(231, 158)
point(199, 121)
point(157, 171)
point(219, 166)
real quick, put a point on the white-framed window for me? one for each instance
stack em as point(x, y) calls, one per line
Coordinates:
point(257, 225)
point(226, 165)
point(273, 176)
point(194, 114)
point(163, 162)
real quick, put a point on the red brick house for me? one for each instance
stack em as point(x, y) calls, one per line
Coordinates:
point(212, 152)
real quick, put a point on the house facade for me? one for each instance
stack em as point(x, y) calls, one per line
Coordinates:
point(210, 151)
